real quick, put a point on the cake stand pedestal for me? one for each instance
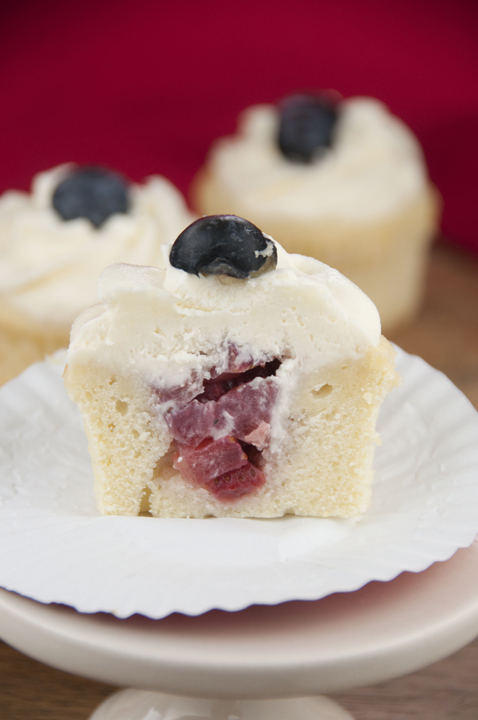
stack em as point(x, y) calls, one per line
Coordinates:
point(288, 652)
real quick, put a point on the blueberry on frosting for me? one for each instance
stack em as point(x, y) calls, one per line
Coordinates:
point(306, 126)
point(93, 193)
point(223, 245)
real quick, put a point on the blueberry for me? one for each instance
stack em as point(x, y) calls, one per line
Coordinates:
point(306, 126)
point(223, 245)
point(93, 193)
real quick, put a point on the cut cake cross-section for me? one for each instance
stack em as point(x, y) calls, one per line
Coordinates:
point(247, 385)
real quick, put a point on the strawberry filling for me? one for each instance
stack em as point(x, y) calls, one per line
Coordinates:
point(209, 459)
point(240, 411)
point(238, 482)
point(221, 433)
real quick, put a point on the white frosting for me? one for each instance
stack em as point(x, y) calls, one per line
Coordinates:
point(49, 267)
point(174, 323)
point(374, 167)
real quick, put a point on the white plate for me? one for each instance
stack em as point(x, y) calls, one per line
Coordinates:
point(54, 547)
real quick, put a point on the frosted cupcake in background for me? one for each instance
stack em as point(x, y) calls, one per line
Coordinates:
point(55, 242)
point(343, 181)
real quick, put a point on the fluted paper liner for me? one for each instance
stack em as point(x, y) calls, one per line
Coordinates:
point(55, 547)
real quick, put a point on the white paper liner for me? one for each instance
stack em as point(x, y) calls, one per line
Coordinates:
point(55, 547)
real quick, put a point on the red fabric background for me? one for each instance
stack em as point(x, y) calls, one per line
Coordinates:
point(144, 86)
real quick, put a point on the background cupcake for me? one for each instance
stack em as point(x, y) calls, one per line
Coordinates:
point(345, 182)
point(56, 240)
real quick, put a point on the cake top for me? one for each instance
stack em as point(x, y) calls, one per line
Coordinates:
point(50, 264)
point(176, 323)
point(367, 163)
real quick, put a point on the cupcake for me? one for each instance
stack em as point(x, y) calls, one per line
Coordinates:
point(55, 242)
point(237, 381)
point(343, 181)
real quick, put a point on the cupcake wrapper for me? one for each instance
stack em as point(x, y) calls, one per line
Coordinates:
point(55, 547)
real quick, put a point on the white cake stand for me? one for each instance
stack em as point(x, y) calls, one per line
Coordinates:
point(294, 650)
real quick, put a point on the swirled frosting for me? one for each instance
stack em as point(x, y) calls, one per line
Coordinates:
point(375, 166)
point(49, 267)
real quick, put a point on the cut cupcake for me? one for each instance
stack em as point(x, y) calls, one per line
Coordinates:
point(342, 181)
point(237, 381)
point(56, 240)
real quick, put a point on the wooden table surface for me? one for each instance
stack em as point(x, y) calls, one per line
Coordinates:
point(445, 335)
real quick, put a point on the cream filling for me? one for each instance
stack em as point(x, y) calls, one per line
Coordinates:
point(50, 267)
point(375, 166)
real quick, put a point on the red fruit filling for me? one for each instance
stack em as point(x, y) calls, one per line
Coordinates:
point(243, 411)
point(209, 459)
point(238, 482)
point(221, 432)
